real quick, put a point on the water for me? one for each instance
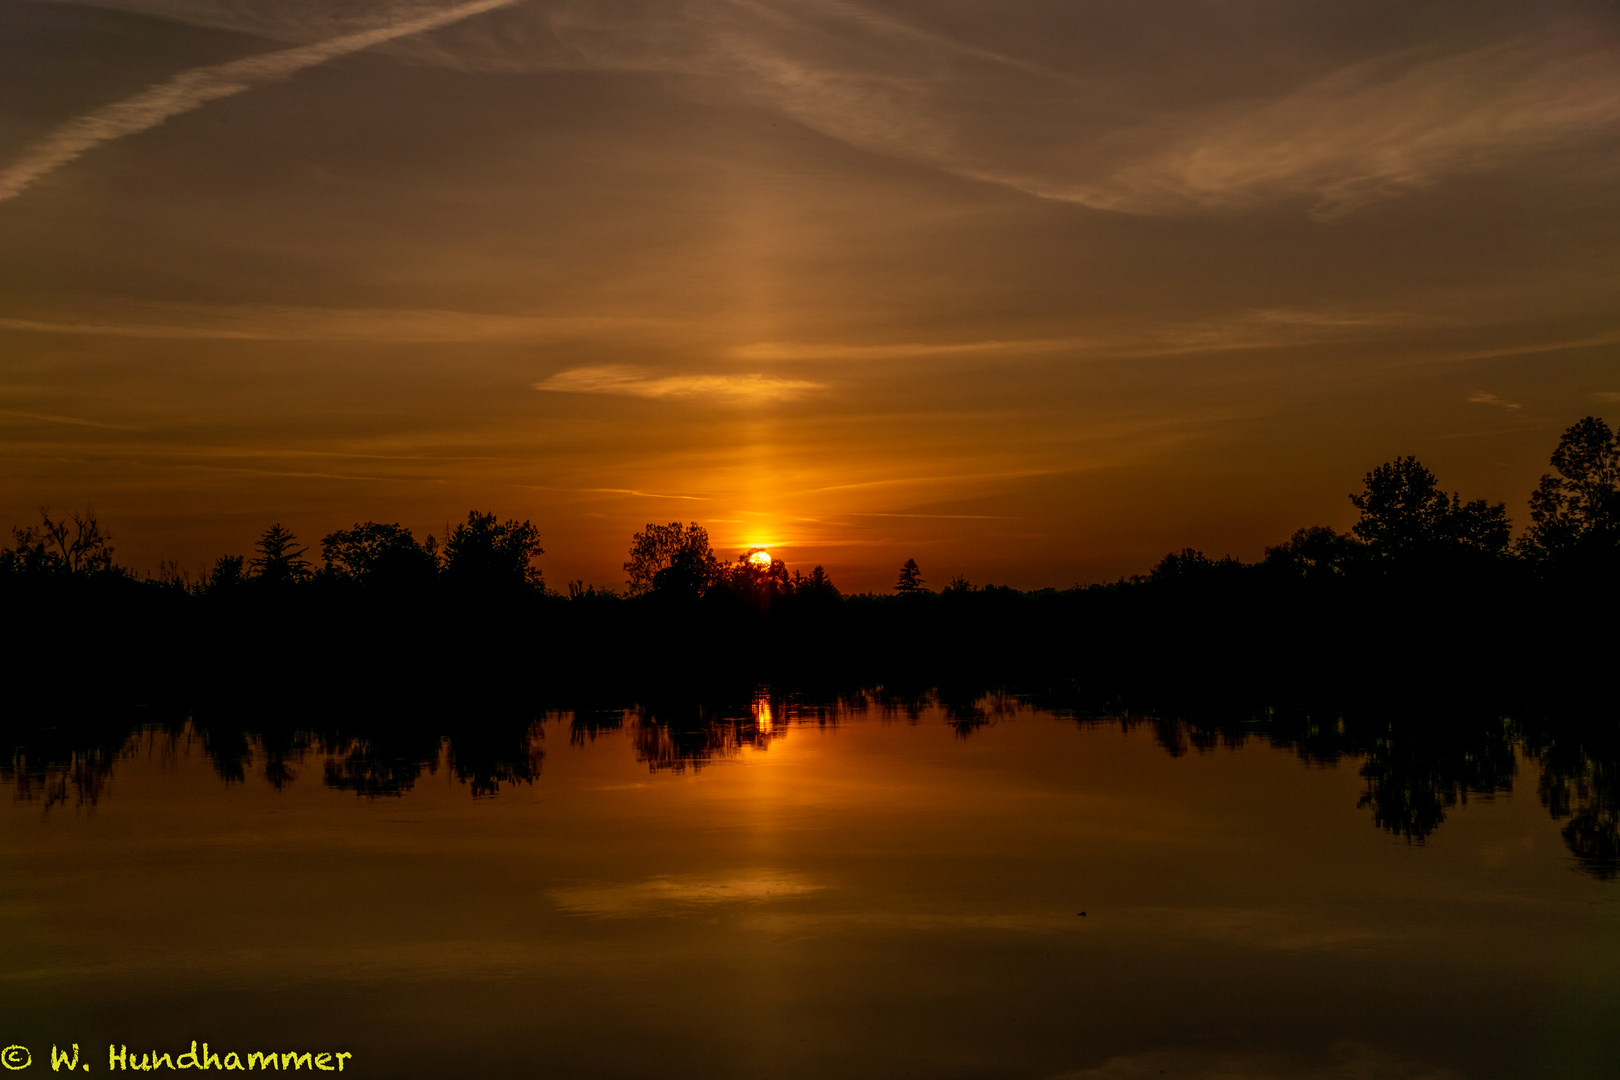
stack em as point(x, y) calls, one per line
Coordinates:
point(850, 895)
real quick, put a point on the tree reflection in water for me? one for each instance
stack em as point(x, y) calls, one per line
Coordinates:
point(1419, 764)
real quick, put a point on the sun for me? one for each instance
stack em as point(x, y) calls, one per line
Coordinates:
point(760, 558)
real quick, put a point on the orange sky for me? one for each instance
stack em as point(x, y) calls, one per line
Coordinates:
point(1029, 291)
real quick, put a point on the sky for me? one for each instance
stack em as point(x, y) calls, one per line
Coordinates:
point(1030, 291)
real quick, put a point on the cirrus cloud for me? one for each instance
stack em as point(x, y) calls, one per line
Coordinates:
point(1339, 139)
point(197, 87)
point(667, 896)
point(1370, 132)
point(638, 382)
point(1482, 397)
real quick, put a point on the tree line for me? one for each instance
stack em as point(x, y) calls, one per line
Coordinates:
point(1407, 523)
point(1427, 596)
point(1422, 572)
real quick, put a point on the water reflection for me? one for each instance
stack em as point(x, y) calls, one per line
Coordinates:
point(1418, 766)
point(675, 735)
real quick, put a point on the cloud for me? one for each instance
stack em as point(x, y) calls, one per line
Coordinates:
point(1368, 131)
point(622, 491)
point(1480, 397)
point(1253, 329)
point(1344, 138)
point(810, 350)
point(282, 323)
point(197, 87)
point(646, 494)
point(636, 382)
point(74, 421)
point(1269, 328)
point(1241, 330)
point(948, 517)
point(1372, 131)
point(1607, 395)
point(1019, 474)
point(293, 21)
point(677, 895)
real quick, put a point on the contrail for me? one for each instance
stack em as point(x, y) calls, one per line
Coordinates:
point(197, 87)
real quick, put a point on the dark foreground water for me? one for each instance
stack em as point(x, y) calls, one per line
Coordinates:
point(853, 896)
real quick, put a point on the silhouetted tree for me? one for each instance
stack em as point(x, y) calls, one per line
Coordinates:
point(486, 555)
point(170, 576)
point(1314, 552)
point(671, 557)
point(226, 574)
point(1480, 527)
point(1575, 516)
point(279, 560)
point(1404, 513)
point(959, 584)
point(758, 580)
point(380, 555)
point(1402, 508)
point(1191, 564)
point(74, 544)
point(578, 590)
point(815, 583)
point(910, 582)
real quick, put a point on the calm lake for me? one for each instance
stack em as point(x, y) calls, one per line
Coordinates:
point(845, 892)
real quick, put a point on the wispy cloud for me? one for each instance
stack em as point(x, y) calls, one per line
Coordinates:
point(45, 326)
point(946, 517)
point(623, 491)
point(197, 87)
point(1372, 131)
point(1253, 329)
point(1018, 474)
point(646, 494)
point(637, 382)
point(811, 350)
point(283, 323)
point(1267, 328)
point(676, 895)
point(1481, 397)
point(73, 421)
point(1244, 329)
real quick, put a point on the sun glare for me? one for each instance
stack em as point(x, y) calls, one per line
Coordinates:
point(761, 558)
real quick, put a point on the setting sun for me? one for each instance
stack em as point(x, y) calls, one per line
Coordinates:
point(761, 558)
